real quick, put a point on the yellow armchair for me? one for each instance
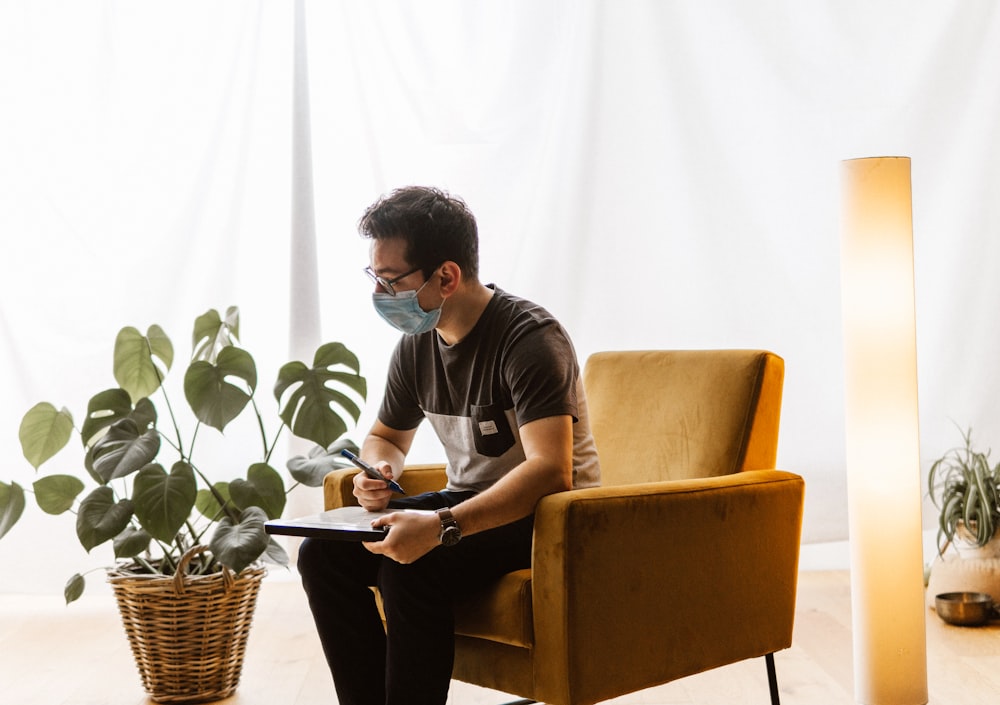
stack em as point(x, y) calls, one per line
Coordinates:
point(685, 559)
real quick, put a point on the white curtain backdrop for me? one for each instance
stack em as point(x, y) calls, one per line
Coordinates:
point(658, 174)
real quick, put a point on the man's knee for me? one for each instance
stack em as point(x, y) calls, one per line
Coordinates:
point(425, 581)
point(317, 561)
point(308, 560)
point(323, 563)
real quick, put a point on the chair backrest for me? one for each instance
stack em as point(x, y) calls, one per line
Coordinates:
point(678, 414)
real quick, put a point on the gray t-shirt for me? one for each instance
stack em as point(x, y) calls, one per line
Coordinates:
point(516, 365)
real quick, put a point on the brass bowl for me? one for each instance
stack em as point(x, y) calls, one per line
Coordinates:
point(965, 609)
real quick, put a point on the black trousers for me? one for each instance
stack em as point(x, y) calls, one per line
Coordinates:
point(409, 662)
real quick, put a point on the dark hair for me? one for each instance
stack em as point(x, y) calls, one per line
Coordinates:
point(435, 225)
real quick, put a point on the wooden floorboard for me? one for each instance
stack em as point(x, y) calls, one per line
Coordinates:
point(51, 654)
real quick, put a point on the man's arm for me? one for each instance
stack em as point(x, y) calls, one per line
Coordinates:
point(386, 449)
point(547, 468)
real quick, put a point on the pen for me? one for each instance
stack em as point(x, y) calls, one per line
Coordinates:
point(371, 472)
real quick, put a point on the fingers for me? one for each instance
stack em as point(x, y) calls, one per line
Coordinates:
point(386, 469)
point(383, 547)
point(380, 548)
point(413, 534)
point(373, 495)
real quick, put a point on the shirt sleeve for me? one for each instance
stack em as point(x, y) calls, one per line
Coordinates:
point(542, 372)
point(400, 409)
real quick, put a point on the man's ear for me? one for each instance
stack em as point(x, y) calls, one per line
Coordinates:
point(451, 278)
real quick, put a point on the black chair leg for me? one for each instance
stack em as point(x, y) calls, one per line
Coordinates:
point(772, 679)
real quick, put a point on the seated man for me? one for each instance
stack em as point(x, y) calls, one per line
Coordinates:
point(498, 379)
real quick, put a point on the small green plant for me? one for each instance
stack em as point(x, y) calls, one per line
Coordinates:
point(152, 515)
point(966, 490)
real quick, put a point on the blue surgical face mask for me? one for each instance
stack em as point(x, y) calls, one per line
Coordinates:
point(403, 312)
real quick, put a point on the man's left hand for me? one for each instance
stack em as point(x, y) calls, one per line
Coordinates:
point(413, 534)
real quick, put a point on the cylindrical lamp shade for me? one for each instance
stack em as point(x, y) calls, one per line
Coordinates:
point(882, 433)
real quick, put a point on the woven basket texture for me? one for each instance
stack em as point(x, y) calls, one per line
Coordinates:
point(188, 633)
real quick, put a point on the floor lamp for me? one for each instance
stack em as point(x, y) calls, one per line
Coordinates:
point(882, 434)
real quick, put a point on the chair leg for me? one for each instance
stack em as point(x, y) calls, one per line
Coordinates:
point(772, 679)
point(522, 702)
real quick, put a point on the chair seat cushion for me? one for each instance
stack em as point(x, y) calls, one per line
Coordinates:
point(500, 612)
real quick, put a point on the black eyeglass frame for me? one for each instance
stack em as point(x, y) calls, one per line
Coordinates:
point(387, 284)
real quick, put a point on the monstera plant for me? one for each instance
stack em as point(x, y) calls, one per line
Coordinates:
point(141, 487)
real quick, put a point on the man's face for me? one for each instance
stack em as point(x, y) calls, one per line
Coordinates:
point(388, 261)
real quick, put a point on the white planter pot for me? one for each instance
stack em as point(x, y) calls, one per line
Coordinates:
point(965, 544)
point(970, 568)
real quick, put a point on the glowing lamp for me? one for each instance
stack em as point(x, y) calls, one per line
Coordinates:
point(882, 433)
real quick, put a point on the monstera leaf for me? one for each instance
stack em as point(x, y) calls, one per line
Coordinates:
point(44, 431)
point(316, 402)
point(112, 405)
point(55, 494)
point(131, 542)
point(123, 450)
point(74, 588)
point(103, 410)
point(311, 469)
point(142, 361)
point(263, 488)
point(212, 334)
point(207, 502)
point(164, 501)
point(275, 553)
point(11, 505)
point(101, 518)
point(213, 398)
point(238, 544)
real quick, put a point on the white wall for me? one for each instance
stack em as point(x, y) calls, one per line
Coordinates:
point(658, 174)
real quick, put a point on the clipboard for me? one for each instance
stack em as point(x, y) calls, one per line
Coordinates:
point(341, 524)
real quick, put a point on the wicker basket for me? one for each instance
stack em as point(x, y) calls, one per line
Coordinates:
point(188, 633)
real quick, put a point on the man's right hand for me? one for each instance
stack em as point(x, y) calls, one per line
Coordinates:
point(373, 495)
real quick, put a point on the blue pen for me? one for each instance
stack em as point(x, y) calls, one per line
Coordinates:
point(371, 472)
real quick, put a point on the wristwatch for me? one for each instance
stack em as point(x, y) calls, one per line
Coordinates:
point(450, 533)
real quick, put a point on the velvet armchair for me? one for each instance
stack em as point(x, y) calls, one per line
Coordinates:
point(685, 559)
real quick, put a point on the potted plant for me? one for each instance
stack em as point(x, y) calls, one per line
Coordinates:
point(184, 543)
point(966, 490)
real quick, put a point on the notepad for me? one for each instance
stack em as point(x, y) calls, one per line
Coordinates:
point(341, 524)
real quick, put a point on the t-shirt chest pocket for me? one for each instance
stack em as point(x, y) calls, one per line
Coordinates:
point(491, 430)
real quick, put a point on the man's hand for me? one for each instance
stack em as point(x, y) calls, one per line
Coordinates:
point(373, 495)
point(413, 534)
point(390, 447)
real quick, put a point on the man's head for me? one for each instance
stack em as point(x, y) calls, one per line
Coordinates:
point(436, 227)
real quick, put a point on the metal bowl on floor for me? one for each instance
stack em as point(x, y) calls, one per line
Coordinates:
point(966, 609)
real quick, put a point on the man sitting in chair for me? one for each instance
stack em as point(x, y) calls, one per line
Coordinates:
point(498, 379)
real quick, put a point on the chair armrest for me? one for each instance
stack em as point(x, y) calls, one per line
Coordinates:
point(338, 485)
point(690, 573)
point(338, 488)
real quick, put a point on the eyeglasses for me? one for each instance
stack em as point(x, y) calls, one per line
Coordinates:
point(387, 284)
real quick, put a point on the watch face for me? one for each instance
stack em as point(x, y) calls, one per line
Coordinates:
point(450, 536)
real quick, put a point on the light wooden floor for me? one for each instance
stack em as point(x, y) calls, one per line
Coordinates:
point(51, 654)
